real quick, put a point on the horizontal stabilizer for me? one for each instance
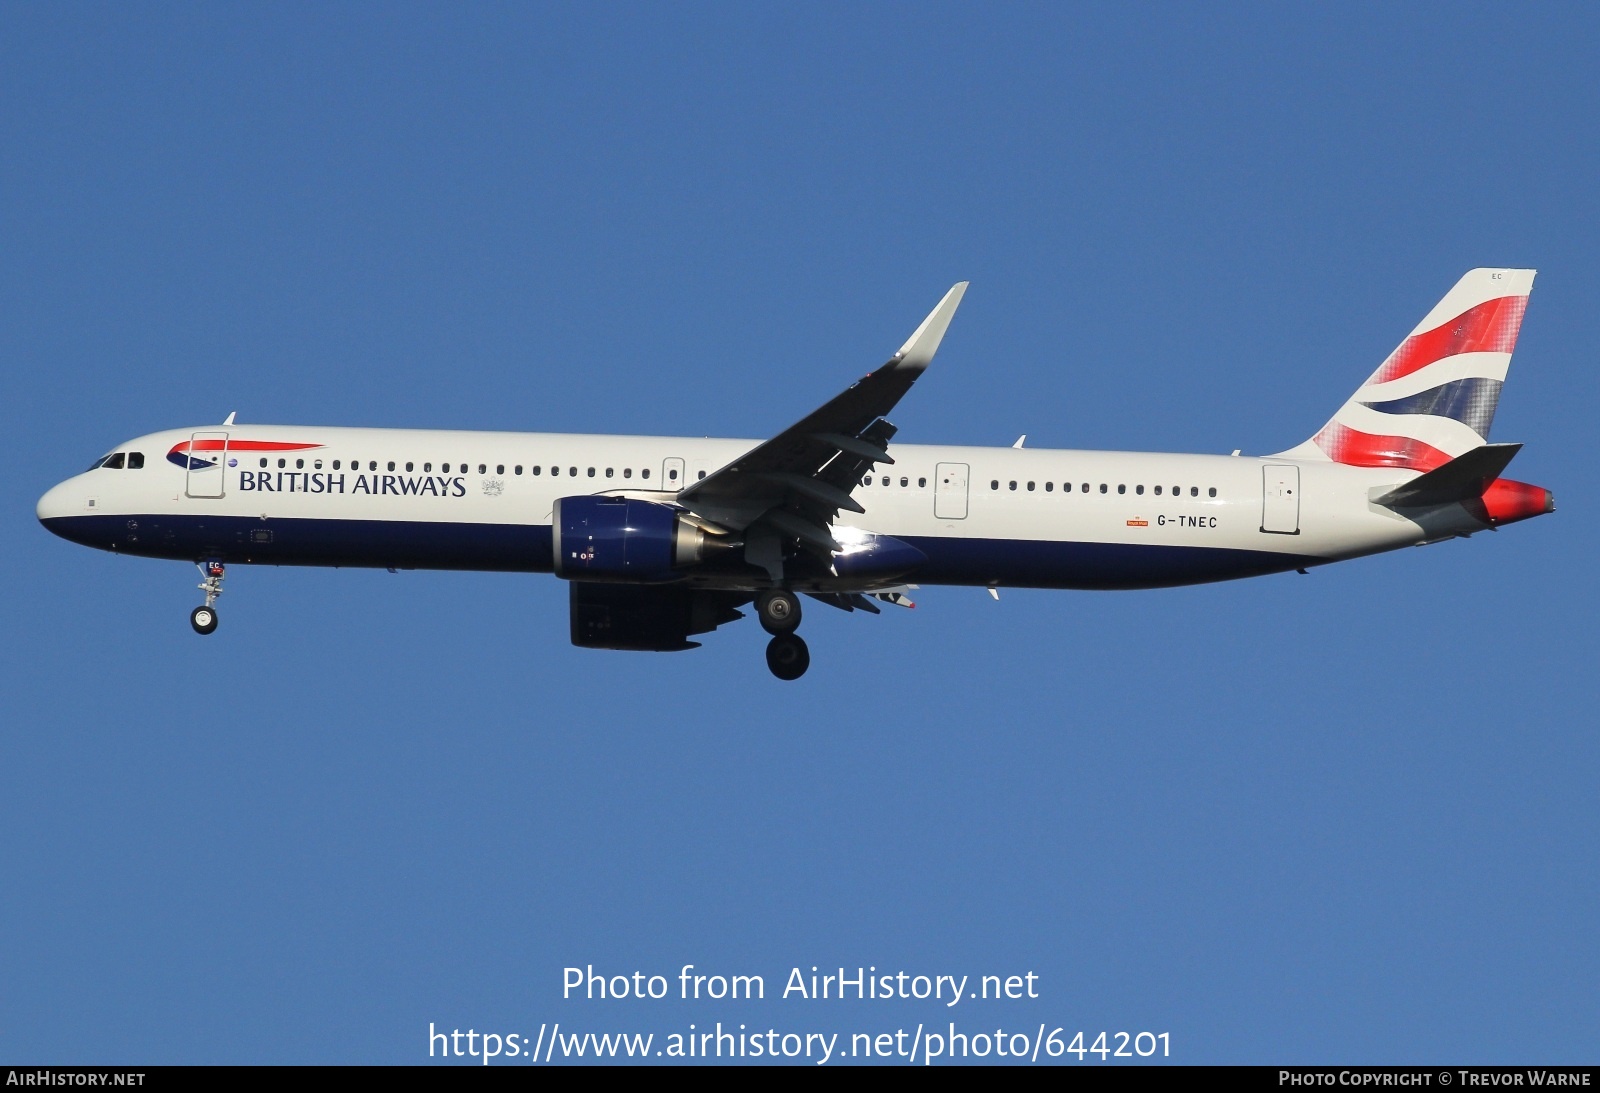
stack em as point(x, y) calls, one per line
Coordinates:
point(1462, 479)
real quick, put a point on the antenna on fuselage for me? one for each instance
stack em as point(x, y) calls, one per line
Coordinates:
point(231, 414)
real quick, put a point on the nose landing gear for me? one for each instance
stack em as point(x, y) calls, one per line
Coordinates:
point(204, 619)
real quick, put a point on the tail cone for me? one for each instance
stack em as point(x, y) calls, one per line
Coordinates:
point(1506, 502)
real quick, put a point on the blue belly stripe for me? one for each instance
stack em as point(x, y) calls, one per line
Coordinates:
point(526, 548)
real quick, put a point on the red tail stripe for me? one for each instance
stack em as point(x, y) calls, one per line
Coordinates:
point(1357, 449)
point(1491, 327)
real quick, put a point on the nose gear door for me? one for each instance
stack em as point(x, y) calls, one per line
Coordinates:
point(208, 459)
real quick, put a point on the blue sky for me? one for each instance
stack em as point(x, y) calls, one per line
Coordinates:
point(1342, 817)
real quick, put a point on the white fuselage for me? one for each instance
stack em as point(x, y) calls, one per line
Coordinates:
point(291, 495)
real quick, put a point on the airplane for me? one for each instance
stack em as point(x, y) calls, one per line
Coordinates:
point(662, 539)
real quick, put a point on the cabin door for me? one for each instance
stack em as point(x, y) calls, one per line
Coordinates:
point(1280, 500)
point(208, 464)
point(950, 491)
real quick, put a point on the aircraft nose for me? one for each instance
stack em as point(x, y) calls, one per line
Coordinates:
point(55, 504)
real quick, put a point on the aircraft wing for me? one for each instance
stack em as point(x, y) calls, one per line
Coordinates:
point(794, 485)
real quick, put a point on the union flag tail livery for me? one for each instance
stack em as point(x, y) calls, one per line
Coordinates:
point(1434, 398)
point(663, 538)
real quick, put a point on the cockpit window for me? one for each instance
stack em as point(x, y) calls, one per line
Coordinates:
point(114, 462)
point(135, 461)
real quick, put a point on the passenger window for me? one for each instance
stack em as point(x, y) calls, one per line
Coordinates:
point(264, 462)
point(1158, 491)
point(408, 467)
point(1013, 483)
point(1103, 487)
point(609, 472)
point(536, 469)
point(483, 468)
point(391, 464)
point(672, 475)
point(1049, 487)
point(115, 462)
point(702, 475)
point(517, 469)
point(1139, 490)
point(1194, 491)
point(1121, 488)
point(1030, 487)
point(317, 465)
point(645, 473)
point(1086, 487)
point(922, 483)
point(282, 463)
point(372, 465)
point(1213, 491)
point(627, 472)
point(884, 480)
point(500, 468)
point(995, 484)
point(572, 472)
point(299, 464)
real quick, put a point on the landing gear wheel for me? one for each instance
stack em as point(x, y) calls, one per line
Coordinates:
point(788, 656)
point(779, 611)
point(203, 619)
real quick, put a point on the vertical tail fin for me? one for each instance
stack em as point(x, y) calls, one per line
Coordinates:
point(1434, 397)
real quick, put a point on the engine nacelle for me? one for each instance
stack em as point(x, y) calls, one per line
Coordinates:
point(621, 540)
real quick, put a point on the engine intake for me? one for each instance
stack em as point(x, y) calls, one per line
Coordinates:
point(619, 539)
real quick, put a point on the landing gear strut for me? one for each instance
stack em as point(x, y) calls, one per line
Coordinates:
point(788, 656)
point(204, 619)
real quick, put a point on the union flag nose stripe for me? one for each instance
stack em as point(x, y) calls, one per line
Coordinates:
point(1490, 327)
point(217, 445)
point(186, 453)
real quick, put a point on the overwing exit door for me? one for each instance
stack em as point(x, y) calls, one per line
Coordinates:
point(672, 473)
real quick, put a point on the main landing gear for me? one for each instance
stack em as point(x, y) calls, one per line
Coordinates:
point(779, 612)
point(204, 619)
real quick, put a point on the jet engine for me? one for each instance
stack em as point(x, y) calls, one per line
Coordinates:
point(622, 540)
